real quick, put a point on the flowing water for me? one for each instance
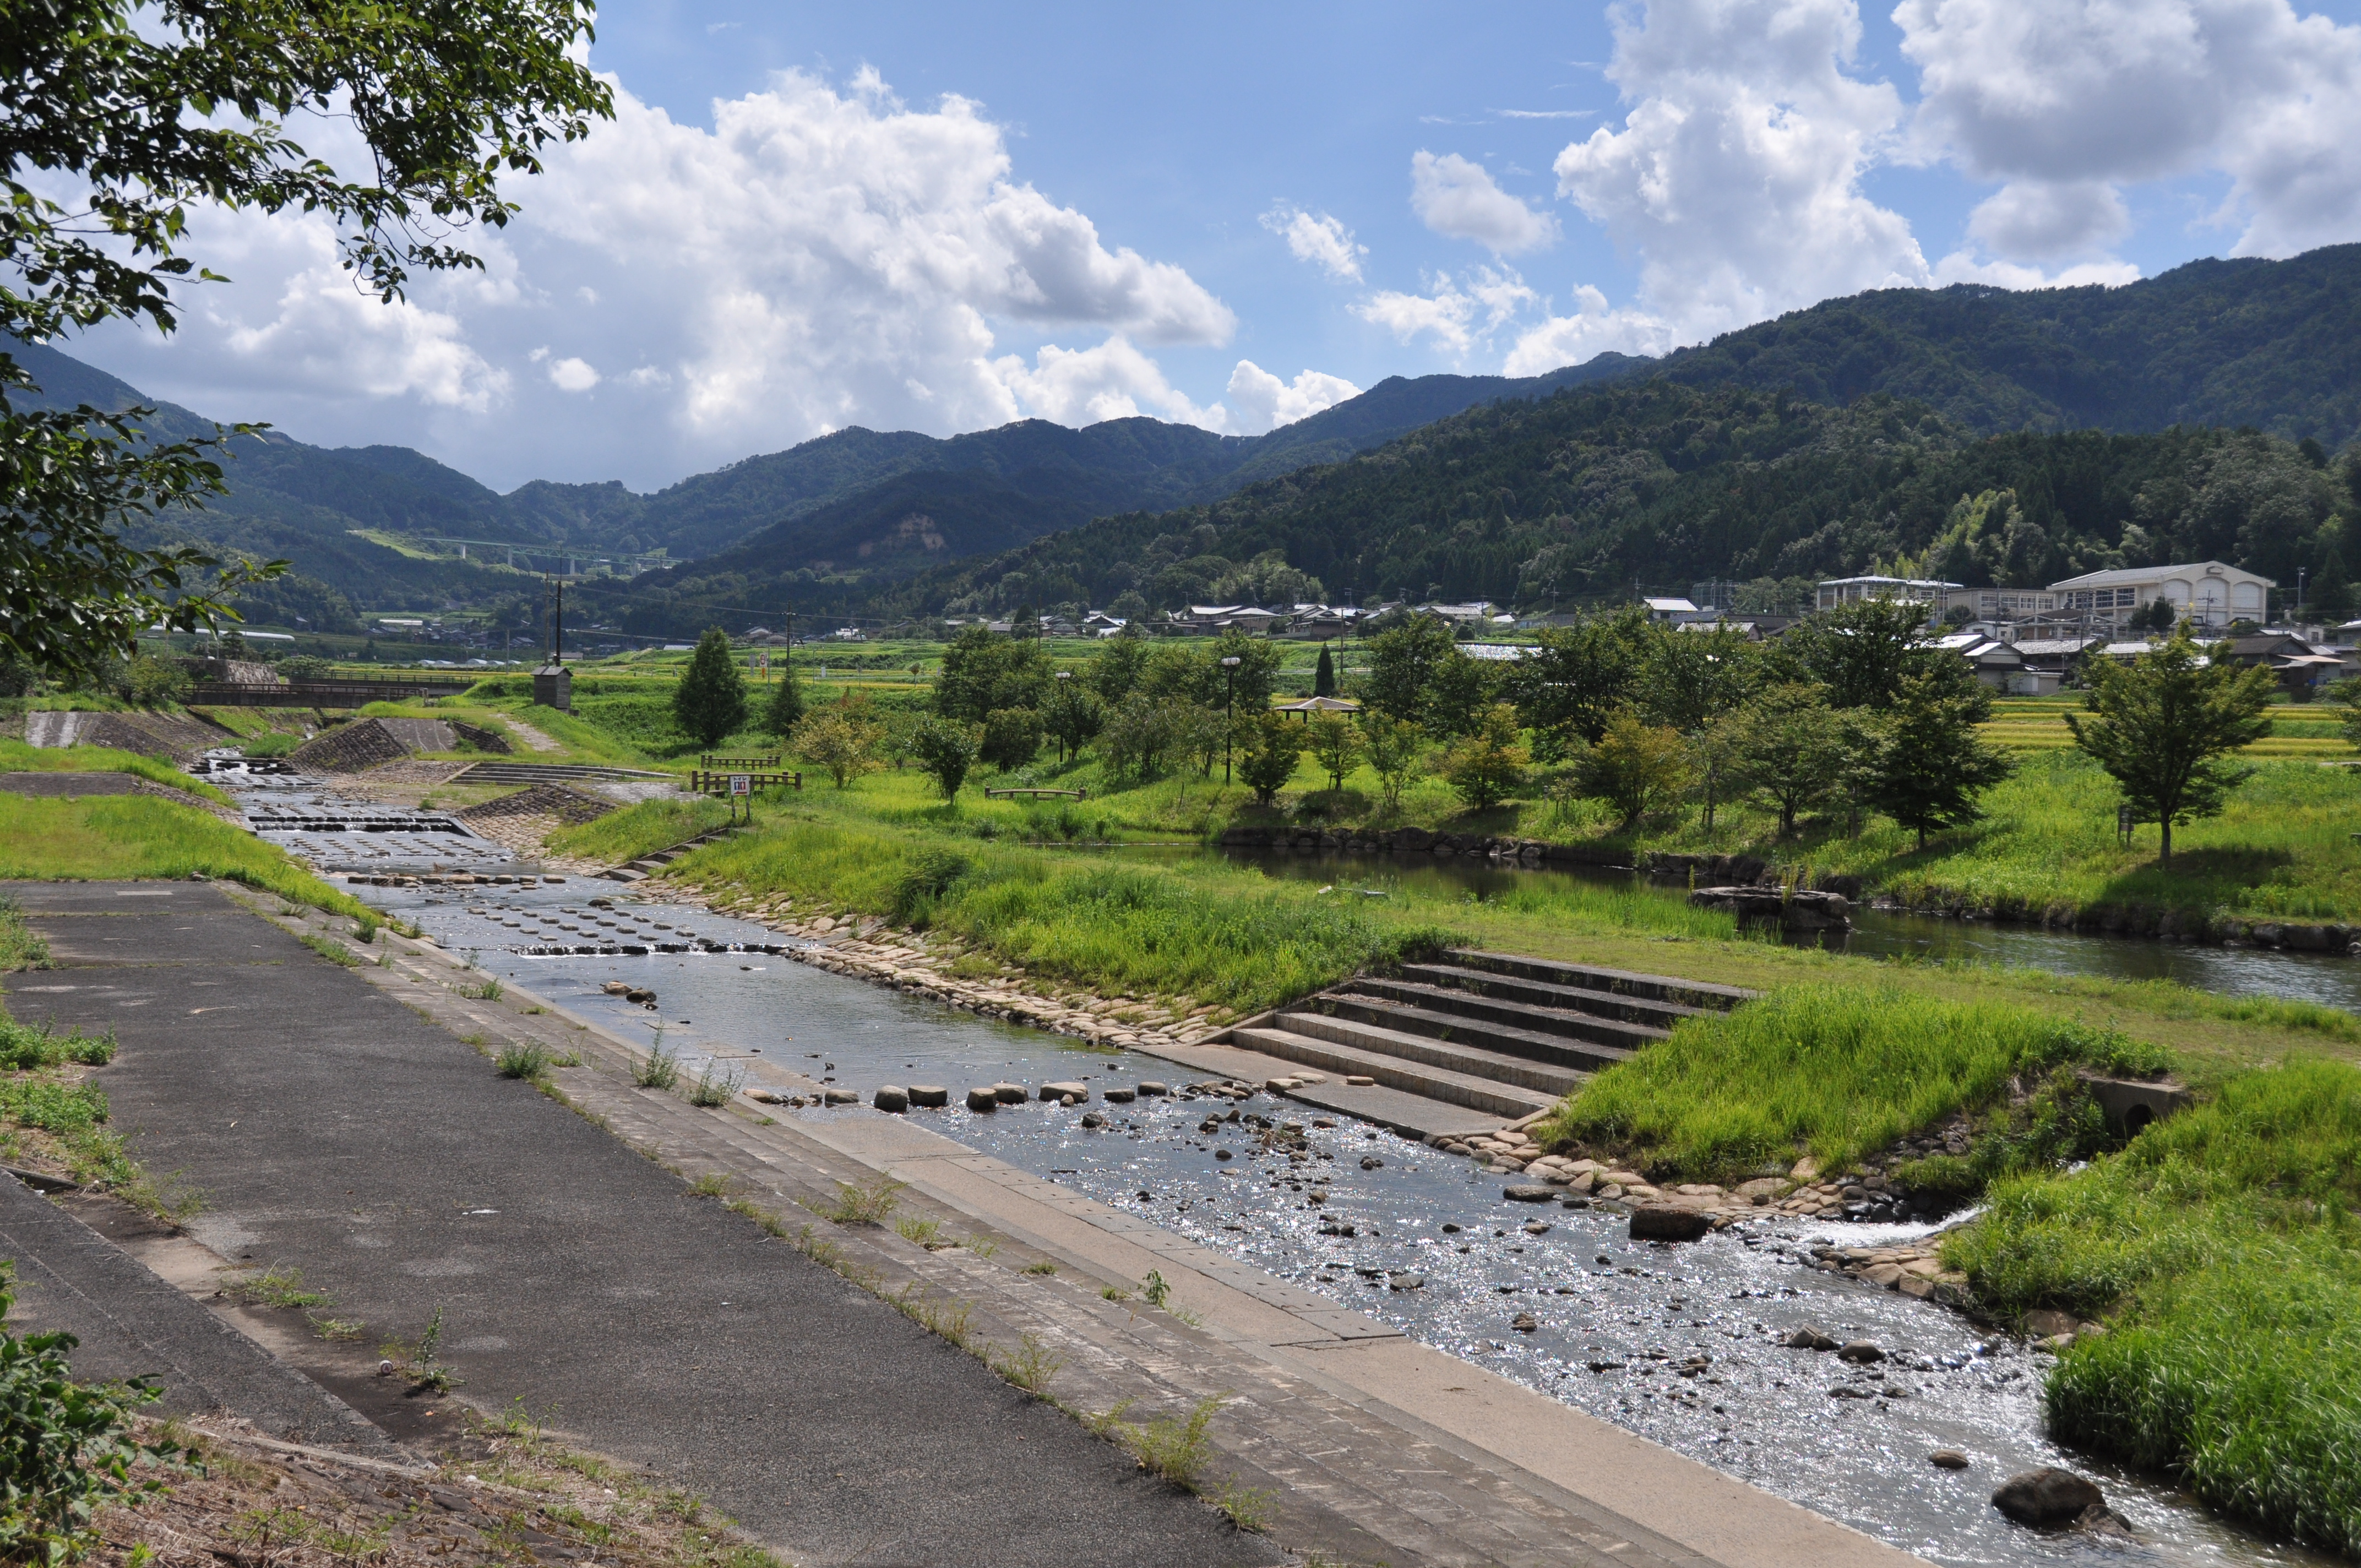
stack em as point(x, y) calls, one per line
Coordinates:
point(1617, 1320)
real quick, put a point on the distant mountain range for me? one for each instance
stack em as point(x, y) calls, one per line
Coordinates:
point(861, 519)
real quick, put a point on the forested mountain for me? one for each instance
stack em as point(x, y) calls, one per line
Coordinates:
point(1590, 493)
point(859, 520)
point(2274, 345)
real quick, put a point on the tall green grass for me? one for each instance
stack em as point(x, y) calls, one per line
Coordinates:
point(15, 757)
point(1204, 928)
point(2224, 1241)
point(1834, 1071)
point(107, 837)
point(640, 829)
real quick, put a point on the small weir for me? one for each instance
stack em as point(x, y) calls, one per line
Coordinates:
point(1679, 1344)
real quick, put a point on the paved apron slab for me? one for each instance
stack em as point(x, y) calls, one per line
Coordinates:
point(335, 1130)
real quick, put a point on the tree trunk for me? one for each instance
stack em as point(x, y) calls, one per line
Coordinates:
point(2164, 855)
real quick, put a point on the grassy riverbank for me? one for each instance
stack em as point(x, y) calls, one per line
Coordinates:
point(106, 837)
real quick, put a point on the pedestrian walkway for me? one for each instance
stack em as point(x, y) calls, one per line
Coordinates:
point(335, 1131)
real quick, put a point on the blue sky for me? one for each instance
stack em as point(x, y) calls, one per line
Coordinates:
point(944, 216)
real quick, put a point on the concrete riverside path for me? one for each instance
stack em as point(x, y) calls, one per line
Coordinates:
point(336, 1131)
point(341, 1123)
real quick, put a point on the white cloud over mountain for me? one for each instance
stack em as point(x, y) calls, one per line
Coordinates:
point(1459, 198)
point(822, 257)
point(1318, 238)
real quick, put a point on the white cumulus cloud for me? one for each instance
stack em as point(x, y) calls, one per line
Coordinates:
point(571, 375)
point(1459, 198)
point(1260, 400)
point(1318, 238)
point(1085, 386)
point(2067, 99)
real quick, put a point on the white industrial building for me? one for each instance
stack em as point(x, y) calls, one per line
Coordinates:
point(2206, 592)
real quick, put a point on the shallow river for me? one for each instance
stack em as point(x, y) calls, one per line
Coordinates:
point(1635, 1312)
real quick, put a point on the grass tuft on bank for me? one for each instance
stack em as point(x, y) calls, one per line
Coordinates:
point(1835, 1071)
point(2222, 1245)
point(108, 837)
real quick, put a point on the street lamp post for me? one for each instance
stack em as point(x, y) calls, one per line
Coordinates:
point(1229, 710)
point(1065, 696)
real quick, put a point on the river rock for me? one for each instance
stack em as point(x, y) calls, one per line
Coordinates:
point(1077, 1093)
point(1534, 1193)
point(2047, 1496)
point(891, 1097)
point(929, 1096)
point(1861, 1352)
point(1121, 1096)
point(1224, 1154)
point(1150, 1089)
point(1524, 1323)
point(1808, 1338)
point(838, 1097)
point(982, 1099)
point(1652, 1224)
point(1947, 1459)
point(1406, 1282)
point(1011, 1093)
point(1800, 910)
point(1092, 1119)
point(2043, 1324)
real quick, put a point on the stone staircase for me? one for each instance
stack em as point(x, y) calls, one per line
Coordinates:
point(1493, 1033)
point(648, 865)
point(549, 772)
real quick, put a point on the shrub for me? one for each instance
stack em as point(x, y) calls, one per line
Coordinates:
point(66, 1448)
point(1273, 745)
point(1490, 761)
point(1635, 767)
point(1011, 736)
point(946, 748)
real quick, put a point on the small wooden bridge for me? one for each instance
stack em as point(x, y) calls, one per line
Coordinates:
point(1037, 794)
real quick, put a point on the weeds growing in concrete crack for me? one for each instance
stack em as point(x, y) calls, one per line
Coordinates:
point(1173, 1449)
point(713, 1184)
point(1154, 1291)
point(274, 1286)
point(1113, 1293)
point(928, 1233)
point(871, 1203)
point(1030, 1367)
point(712, 1089)
point(1248, 1509)
point(523, 1059)
point(488, 992)
point(422, 1363)
point(662, 1068)
point(982, 1248)
point(948, 1319)
point(337, 1327)
point(1040, 1266)
point(328, 947)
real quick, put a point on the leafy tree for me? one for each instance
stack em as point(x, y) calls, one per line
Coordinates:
point(1571, 685)
point(1271, 758)
point(1137, 737)
point(1488, 761)
point(1251, 682)
point(840, 739)
point(1116, 669)
point(1460, 690)
point(1930, 763)
point(785, 710)
point(1072, 717)
point(1635, 767)
point(946, 748)
point(1394, 747)
point(1011, 736)
point(1201, 733)
point(2328, 597)
point(1862, 650)
point(1687, 677)
point(1790, 747)
point(982, 674)
point(149, 681)
point(1403, 662)
point(2159, 617)
point(150, 108)
point(710, 701)
point(1336, 745)
point(2161, 724)
point(1323, 674)
point(1715, 761)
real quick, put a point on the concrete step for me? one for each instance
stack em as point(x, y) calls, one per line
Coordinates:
point(544, 773)
point(1452, 1031)
point(1502, 1025)
point(1590, 977)
point(1541, 993)
point(1415, 1064)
